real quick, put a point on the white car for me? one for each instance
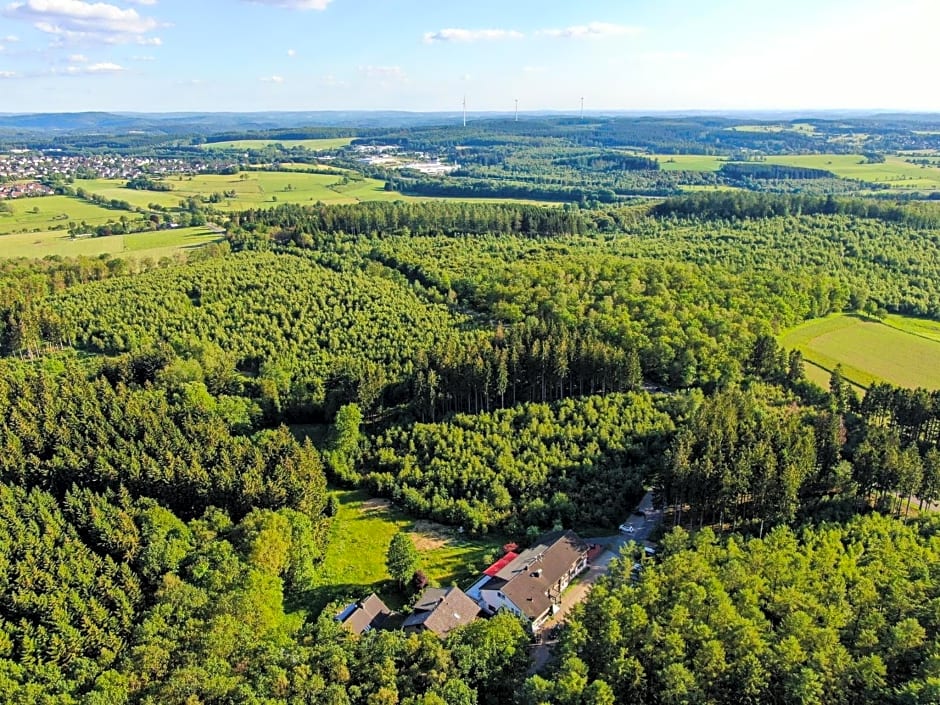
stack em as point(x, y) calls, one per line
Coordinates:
point(627, 528)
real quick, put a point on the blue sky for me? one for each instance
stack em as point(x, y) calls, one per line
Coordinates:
point(237, 55)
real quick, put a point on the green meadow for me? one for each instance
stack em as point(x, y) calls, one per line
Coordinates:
point(265, 189)
point(53, 212)
point(153, 244)
point(894, 172)
point(689, 162)
point(314, 145)
point(252, 189)
point(359, 538)
point(901, 351)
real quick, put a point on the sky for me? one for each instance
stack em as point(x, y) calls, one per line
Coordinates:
point(427, 55)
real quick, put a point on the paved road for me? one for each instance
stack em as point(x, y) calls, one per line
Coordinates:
point(643, 526)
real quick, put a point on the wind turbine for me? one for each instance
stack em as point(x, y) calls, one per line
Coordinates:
point(465, 110)
point(582, 108)
point(517, 110)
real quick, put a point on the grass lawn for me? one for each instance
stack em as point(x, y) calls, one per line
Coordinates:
point(156, 244)
point(313, 145)
point(354, 564)
point(901, 351)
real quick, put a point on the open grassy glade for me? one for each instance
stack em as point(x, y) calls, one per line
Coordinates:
point(362, 530)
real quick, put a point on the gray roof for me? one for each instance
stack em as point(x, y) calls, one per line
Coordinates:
point(442, 609)
point(365, 614)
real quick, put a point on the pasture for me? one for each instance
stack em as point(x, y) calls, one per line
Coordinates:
point(689, 162)
point(48, 212)
point(251, 189)
point(154, 244)
point(359, 538)
point(266, 189)
point(894, 172)
point(901, 351)
point(314, 145)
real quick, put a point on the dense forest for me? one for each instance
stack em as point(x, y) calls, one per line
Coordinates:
point(833, 614)
point(503, 369)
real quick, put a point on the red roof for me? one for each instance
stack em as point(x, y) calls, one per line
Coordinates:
point(500, 564)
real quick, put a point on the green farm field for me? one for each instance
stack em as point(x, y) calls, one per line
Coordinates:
point(901, 351)
point(155, 244)
point(48, 212)
point(265, 189)
point(689, 162)
point(315, 145)
point(361, 533)
point(257, 188)
point(894, 172)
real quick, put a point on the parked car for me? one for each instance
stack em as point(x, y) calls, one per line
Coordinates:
point(627, 528)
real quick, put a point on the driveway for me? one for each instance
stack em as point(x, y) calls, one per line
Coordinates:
point(643, 526)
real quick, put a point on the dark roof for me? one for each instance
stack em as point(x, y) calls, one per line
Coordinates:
point(531, 578)
point(441, 610)
point(365, 614)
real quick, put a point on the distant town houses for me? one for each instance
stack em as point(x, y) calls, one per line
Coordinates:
point(29, 164)
point(24, 190)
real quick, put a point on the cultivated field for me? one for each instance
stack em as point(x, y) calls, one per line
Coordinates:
point(313, 145)
point(48, 212)
point(361, 533)
point(156, 244)
point(901, 351)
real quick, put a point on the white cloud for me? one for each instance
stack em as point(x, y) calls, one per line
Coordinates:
point(142, 2)
point(78, 59)
point(105, 67)
point(471, 35)
point(292, 53)
point(272, 79)
point(10, 39)
point(79, 20)
point(592, 30)
point(295, 4)
point(82, 69)
point(383, 73)
point(533, 69)
point(7, 74)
